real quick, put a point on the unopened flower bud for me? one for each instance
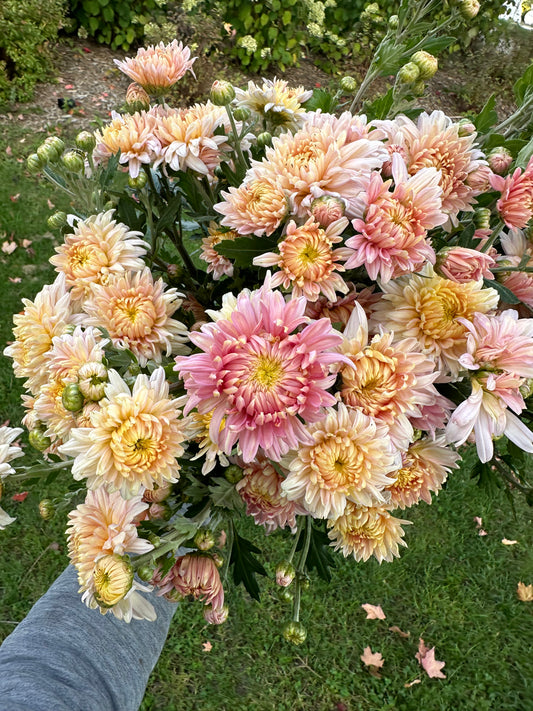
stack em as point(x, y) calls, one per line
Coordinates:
point(39, 440)
point(139, 182)
point(348, 84)
point(218, 559)
point(154, 540)
point(136, 98)
point(53, 147)
point(204, 539)
point(241, 113)
point(426, 63)
point(34, 163)
point(157, 494)
point(86, 141)
point(222, 93)
point(526, 388)
point(466, 127)
point(92, 380)
point(327, 209)
point(73, 161)
point(482, 218)
point(304, 582)
point(233, 474)
point(113, 578)
point(469, 8)
point(216, 615)
point(285, 573)
point(46, 509)
point(295, 632)
point(264, 139)
point(57, 220)
point(72, 398)
point(499, 160)
point(46, 153)
point(285, 595)
point(409, 73)
point(394, 21)
point(145, 572)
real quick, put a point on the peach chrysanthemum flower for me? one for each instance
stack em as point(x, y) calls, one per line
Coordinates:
point(105, 525)
point(158, 67)
point(218, 265)
point(265, 500)
point(349, 460)
point(516, 203)
point(346, 126)
point(275, 101)
point(197, 575)
point(308, 264)
point(131, 135)
point(257, 207)
point(461, 265)
point(51, 412)
point(425, 468)
point(135, 438)
point(435, 141)
point(261, 375)
point(196, 427)
point(97, 247)
point(136, 312)
point(47, 316)
point(188, 139)
point(340, 310)
point(364, 531)
point(389, 379)
point(392, 226)
point(72, 350)
point(429, 308)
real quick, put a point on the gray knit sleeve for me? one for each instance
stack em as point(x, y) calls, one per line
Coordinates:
point(65, 657)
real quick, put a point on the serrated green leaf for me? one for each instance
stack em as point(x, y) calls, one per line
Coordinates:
point(245, 565)
point(380, 107)
point(319, 556)
point(243, 249)
point(524, 156)
point(434, 45)
point(224, 495)
point(524, 85)
point(487, 117)
point(321, 99)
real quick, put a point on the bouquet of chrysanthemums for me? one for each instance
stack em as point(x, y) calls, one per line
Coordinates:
point(264, 308)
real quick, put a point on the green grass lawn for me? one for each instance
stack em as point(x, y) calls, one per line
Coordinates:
point(452, 587)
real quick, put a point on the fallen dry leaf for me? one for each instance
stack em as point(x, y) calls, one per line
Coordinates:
point(478, 521)
point(373, 612)
point(20, 496)
point(481, 532)
point(372, 659)
point(26, 243)
point(507, 542)
point(14, 198)
point(50, 204)
point(426, 659)
point(399, 631)
point(9, 151)
point(9, 247)
point(207, 646)
point(54, 546)
point(525, 592)
point(15, 280)
point(412, 683)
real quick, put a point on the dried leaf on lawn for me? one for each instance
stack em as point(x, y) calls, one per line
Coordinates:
point(525, 592)
point(426, 659)
point(396, 629)
point(373, 612)
point(507, 542)
point(372, 659)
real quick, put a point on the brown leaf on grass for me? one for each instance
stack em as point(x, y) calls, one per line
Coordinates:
point(26, 243)
point(403, 634)
point(14, 198)
point(372, 659)
point(9, 151)
point(20, 496)
point(412, 683)
point(426, 659)
point(525, 592)
point(8, 247)
point(207, 646)
point(50, 204)
point(507, 542)
point(15, 280)
point(479, 523)
point(373, 612)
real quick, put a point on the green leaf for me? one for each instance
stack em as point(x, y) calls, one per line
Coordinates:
point(168, 215)
point(245, 565)
point(321, 99)
point(487, 117)
point(380, 107)
point(286, 17)
point(224, 495)
point(484, 476)
point(524, 85)
point(434, 45)
point(319, 557)
point(525, 154)
point(466, 239)
point(243, 249)
point(504, 293)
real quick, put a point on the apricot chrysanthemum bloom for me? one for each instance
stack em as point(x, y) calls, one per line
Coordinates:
point(194, 574)
point(435, 141)
point(196, 427)
point(256, 207)
point(389, 379)
point(265, 500)
point(392, 226)
point(429, 309)
point(516, 203)
point(51, 412)
point(349, 460)
point(364, 531)
point(218, 265)
point(346, 125)
point(131, 135)
point(260, 374)
point(136, 312)
point(42, 319)
point(72, 350)
point(105, 525)
point(307, 262)
point(97, 247)
point(425, 468)
point(158, 67)
point(275, 101)
point(134, 440)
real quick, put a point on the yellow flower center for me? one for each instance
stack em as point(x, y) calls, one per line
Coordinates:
point(137, 444)
point(372, 384)
point(113, 578)
point(133, 316)
point(338, 463)
point(439, 309)
point(307, 254)
point(267, 372)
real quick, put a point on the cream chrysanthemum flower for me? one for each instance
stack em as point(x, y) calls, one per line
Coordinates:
point(429, 308)
point(51, 412)
point(364, 531)
point(135, 438)
point(196, 427)
point(71, 351)
point(349, 460)
point(275, 101)
point(425, 468)
point(133, 137)
point(42, 319)
point(105, 526)
point(308, 264)
point(158, 67)
point(8, 452)
point(256, 207)
point(97, 248)
point(218, 265)
point(136, 312)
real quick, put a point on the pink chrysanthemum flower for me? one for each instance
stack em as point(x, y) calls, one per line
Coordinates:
point(275, 101)
point(516, 247)
point(131, 135)
point(218, 265)
point(256, 207)
point(349, 460)
point(516, 203)
point(105, 525)
point(260, 374)
point(340, 310)
point(97, 247)
point(136, 312)
point(346, 126)
point(308, 264)
point(392, 226)
point(462, 265)
point(158, 67)
point(389, 380)
point(135, 438)
point(364, 531)
point(47, 316)
point(430, 309)
point(197, 575)
point(262, 492)
point(434, 416)
point(425, 468)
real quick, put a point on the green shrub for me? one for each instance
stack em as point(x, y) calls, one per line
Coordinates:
point(29, 28)
point(116, 23)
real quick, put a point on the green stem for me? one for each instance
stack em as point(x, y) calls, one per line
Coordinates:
point(494, 236)
point(229, 545)
point(238, 149)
